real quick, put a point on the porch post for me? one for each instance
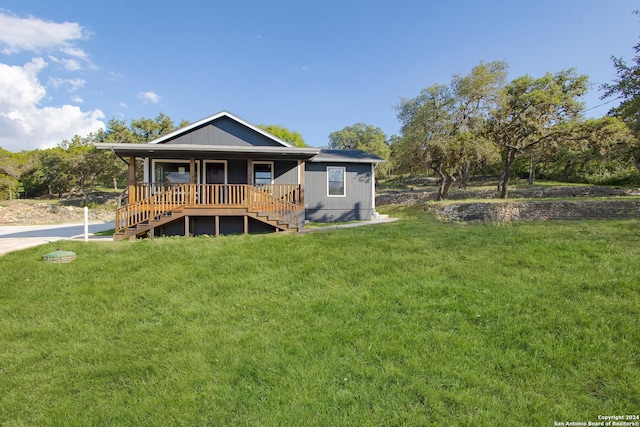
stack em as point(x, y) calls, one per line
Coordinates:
point(186, 226)
point(192, 180)
point(216, 222)
point(246, 224)
point(249, 168)
point(301, 171)
point(132, 180)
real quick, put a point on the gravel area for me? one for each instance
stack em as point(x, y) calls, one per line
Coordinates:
point(34, 213)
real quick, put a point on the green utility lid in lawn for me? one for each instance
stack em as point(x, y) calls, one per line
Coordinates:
point(59, 256)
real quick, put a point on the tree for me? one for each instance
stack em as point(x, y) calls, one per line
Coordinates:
point(292, 137)
point(117, 131)
point(145, 130)
point(54, 171)
point(443, 127)
point(86, 163)
point(12, 166)
point(626, 87)
point(531, 113)
point(363, 137)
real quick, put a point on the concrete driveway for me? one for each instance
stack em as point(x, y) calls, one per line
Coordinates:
point(16, 237)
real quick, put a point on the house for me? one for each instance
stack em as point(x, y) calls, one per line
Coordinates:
point(223, 175)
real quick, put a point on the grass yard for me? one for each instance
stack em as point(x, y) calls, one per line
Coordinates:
point(410, 323)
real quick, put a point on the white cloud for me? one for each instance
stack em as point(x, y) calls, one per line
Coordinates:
point(74, 51)
point(26, 121)
point(25, 124)
point(123, 105)
point(68, 63)
point(71, 84)
point(34, 34)
point(149, 96)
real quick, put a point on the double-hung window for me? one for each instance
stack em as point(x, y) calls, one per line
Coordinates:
point(336, 181)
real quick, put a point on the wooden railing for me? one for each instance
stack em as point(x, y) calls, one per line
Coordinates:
point(143, 190)
point(288, 192)
point(280, 202)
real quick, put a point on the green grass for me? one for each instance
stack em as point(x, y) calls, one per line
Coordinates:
point(105, 233)
point(328, 224)
point(409, 323)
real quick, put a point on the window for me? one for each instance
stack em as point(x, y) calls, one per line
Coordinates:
point(335, 181)
point(172, 173)
point(262, 173)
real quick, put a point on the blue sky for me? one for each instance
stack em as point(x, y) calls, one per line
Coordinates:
point(67, 67)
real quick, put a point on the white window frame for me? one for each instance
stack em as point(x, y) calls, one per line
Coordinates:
point(187, 162)
point(344, 181)
point(204, 176)
point(253, 171)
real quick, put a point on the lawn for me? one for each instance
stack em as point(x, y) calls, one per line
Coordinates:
point(409, 323)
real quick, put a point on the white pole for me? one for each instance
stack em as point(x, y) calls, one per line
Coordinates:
point(86, 224)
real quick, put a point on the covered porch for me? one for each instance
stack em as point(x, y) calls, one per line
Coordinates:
point(179, 184)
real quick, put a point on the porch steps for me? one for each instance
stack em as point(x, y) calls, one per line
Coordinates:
point(271, 219)
point(143, 227)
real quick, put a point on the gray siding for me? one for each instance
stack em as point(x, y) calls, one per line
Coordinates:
point(356, 205)
point(237, 171)
point(286, 172)
point(224, 131)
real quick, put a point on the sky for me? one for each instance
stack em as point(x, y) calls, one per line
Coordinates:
point(68, 67)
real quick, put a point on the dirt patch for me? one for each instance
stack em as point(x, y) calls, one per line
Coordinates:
point(22, 213)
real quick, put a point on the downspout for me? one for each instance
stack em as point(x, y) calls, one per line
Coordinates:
point(119, 156)
point(374, 214)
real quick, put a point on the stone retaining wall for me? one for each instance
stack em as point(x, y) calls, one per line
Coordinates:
point(540, 210)
point(410, 197)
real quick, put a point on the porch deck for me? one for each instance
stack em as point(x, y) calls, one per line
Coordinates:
point(153, 205)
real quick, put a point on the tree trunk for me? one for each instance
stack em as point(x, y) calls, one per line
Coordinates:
point(565, 170)
point(464, 174)
point(532, 170)
point(83, 189)
point(115, 184)
point(506, 175)
point(636, 162)
point(446, 181)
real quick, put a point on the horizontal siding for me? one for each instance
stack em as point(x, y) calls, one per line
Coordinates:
point(224, 131)
point(286, 172)
point(237, 171)
point(357, 204)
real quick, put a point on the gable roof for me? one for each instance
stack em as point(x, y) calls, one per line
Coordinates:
point(164, 147)
point(210, 119)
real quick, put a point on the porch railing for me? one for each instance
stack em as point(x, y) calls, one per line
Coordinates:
point(288, 192)
point(277, 201)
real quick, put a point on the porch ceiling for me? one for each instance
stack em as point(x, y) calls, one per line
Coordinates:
point(173, 151)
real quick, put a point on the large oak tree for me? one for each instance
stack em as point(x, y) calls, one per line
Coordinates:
point(532, 112)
